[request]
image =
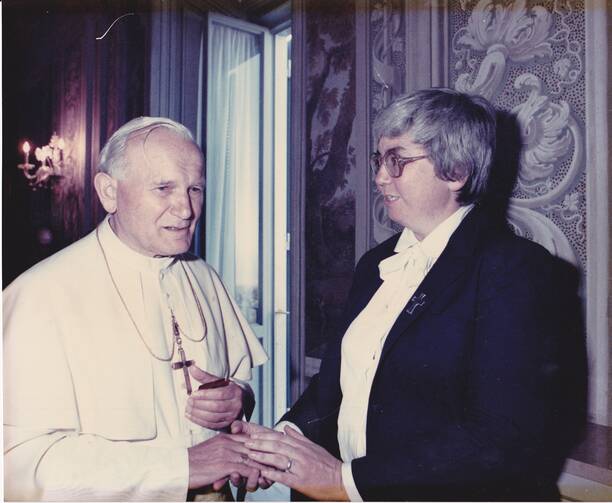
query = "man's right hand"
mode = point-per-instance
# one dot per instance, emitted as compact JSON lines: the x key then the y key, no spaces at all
{"x":215,"y":459}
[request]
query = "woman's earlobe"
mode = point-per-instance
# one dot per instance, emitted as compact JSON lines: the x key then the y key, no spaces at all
{"x":456,"y":185}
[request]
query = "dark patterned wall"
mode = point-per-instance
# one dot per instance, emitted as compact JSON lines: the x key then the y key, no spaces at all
{"x":58,"y":78}
{"x":27,"y":108}
{"x":330,"y":194}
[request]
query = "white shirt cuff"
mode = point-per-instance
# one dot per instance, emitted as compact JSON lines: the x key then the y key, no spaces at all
{"x":349,"y":483}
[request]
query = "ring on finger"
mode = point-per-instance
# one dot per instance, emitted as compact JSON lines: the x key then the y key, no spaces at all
{"x":289,"y":464}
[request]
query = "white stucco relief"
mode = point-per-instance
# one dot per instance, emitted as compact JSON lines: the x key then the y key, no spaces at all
{"x":383,"y":70}
{"x":385,"y":74}
{"x":512,"y":33}
{"x":505,"y":33}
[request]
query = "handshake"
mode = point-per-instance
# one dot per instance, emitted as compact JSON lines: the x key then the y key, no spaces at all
{"x":257,"y":457}
{"x":251,"y":454}
{"x":235,"y":456}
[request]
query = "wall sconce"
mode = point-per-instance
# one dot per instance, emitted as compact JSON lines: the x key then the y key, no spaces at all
{"x":48,"y":165}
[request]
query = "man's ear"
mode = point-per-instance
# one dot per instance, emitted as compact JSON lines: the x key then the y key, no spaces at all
{"x":106,"y":187}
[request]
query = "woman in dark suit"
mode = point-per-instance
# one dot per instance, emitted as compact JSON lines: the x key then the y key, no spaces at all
{"x":460,"y":373}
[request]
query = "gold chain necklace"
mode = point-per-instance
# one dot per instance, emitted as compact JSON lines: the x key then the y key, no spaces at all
{"x":200,"y":312}
{"x":160,"y":358}
{"x":175,"y":325}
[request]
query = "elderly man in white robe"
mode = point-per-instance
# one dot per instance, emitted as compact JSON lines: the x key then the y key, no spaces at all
{"x":107,"y":343}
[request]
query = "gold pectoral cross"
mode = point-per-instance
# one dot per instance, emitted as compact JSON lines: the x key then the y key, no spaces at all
{"x":184,"y":364}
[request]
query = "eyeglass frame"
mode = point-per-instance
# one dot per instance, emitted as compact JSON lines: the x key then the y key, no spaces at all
{"x":377,"y":161}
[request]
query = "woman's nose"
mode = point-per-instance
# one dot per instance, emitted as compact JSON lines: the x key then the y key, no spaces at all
{"x":382,"y":176}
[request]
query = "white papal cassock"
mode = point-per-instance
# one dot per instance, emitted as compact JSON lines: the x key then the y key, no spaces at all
{"x":89,"y":414}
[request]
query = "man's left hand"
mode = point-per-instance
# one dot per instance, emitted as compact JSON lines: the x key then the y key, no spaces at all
{"x":298,"y":463}
{"x":214,"y":408}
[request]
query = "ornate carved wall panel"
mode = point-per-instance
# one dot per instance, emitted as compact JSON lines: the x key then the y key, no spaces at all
{"x":388,"y":68}
{"x":530,"y":60}
{"x":407,"y":44}
{"x":537,"y":62}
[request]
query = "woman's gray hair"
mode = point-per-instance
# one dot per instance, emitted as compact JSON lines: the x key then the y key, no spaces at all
{"x":113,"y":160}
{"x":456,"y":130}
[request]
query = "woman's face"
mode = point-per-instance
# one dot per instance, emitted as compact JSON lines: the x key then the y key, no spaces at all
{"x":418,"y":199}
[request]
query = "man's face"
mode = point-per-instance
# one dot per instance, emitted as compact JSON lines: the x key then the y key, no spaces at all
{"x":418,"y":199}
{"x":159,"y":199}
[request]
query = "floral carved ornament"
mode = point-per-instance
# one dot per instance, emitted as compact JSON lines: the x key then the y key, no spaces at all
{"x":503,"y":33}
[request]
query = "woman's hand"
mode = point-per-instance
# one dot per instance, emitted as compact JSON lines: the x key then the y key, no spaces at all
{"x":298,"y":463}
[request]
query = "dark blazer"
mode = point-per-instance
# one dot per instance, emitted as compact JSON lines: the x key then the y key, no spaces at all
{"x":480,"y":389}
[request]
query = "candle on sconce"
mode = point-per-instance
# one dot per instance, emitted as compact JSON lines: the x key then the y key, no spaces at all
{"x":48,"y":164}
{"x":26,"y":152}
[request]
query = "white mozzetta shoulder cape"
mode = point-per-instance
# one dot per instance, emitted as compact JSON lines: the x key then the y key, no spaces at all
{"x":78,"y":378}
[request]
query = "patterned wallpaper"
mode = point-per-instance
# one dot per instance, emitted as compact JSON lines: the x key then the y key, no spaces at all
{"x":388,"y":69}
{"x":79,"y":87}
{"x":330,"y":194}
{"x":529,"y":60}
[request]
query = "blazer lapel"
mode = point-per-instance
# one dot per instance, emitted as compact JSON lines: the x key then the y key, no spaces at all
{"x":448,"y":268}
{"x":364,"y":296}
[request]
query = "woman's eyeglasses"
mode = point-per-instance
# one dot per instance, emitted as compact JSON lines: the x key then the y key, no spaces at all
{"x":393,"y":163}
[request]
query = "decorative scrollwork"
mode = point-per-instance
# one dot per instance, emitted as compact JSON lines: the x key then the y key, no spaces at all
{"x":505,"y":31}
{"x":541,"y":230}
{"x":569,"y":67}
{"x":383,"y":71}
{"x":386,"y":21}
{"x":569,"y":211}
{"x":498,"y":38}
{"x":522,"y":33}
{"x":549,"y":130}
{"x":545,"y":132}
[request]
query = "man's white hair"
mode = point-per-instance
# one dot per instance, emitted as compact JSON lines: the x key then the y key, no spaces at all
{"x":113,"y":160}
